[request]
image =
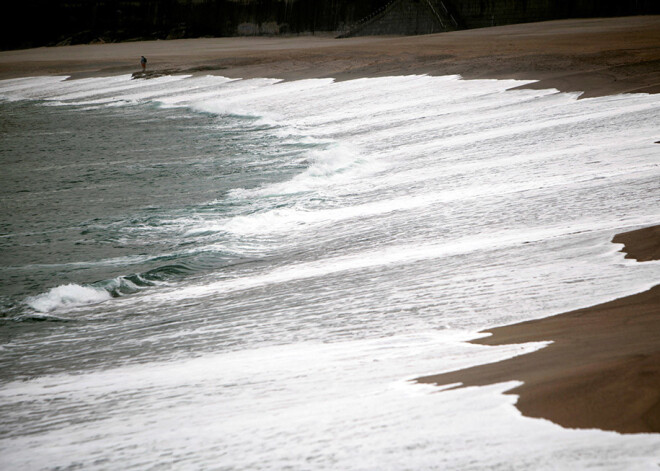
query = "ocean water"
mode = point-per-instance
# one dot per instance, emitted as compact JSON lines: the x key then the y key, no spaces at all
{"x":207,"y":273}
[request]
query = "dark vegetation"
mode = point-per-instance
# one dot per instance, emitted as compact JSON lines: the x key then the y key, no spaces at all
{"x":31,"y":23}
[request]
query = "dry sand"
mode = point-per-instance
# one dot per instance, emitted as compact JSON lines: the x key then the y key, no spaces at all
{"x":602,"y":369}
{"x":598,"y":56}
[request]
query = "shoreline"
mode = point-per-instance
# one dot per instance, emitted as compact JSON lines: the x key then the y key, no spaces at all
{"x":602,"y":369}
{"x":574,"y":381}
{"x":599,"y":56}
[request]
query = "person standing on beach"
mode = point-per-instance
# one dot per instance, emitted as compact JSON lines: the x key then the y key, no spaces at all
{"x":143,"y":63}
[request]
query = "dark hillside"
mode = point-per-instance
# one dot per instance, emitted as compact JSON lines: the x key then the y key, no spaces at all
{"x":31,"y":23}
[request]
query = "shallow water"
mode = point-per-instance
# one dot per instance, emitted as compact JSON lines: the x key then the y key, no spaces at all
{"x":199,"y":272}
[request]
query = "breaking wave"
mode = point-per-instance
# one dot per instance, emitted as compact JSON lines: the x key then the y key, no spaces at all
{"x":67,"y":296}
{"x":74,"y":295}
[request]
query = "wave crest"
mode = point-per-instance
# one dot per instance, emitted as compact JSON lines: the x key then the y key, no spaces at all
{"x":67,"y":296}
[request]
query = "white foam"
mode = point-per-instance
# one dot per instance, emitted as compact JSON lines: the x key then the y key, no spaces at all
{"x":428,"y":208}
{"x":66,"y":297}
{"x":343,"y":405}
{"x":24,"y":88}
{"x":395,"y":255}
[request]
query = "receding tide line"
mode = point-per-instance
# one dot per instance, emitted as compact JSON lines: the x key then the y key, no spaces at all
{"x":602,"y":369}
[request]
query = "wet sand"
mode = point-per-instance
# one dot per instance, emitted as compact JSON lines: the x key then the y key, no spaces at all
{"x":602,"y":369}
{"x":597,"y":56}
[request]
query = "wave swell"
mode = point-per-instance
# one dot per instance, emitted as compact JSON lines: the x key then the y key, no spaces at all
{"x":75,"y":295}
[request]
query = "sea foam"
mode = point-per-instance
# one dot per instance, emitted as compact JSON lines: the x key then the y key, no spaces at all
{"x":67,"y":296}
{"x":417,"y":211}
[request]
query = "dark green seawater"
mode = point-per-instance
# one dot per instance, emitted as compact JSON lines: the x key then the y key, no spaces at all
{"x":89,"y":195}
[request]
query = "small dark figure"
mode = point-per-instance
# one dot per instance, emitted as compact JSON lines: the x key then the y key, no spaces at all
{"x":143,"y":63}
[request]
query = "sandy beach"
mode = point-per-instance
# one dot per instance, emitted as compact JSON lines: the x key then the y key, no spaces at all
{"x":602,"y":369}
{"x":597,"y":56}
